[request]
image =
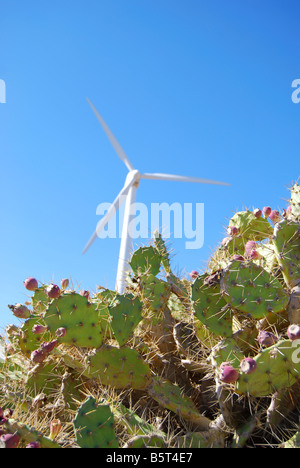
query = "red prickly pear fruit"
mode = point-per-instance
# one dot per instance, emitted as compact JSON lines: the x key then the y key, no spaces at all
{"x":31,"y":284}
{"x":32,"y":445}
{"x":61,"y":332}
{"x":293,"y":332}
{"x":248,"y":365}
{"x":266,"y":211}
{"x":229,"y":374}
{"x":38,"y":329}
{"x":256,"y":212}
{"x":53,"y":291}
{"x":10,"y":440}
{"x":64,"y":283}
{"x":85,"y":294}
{"x":238,"y":258}
{"x":254,"y":255}
{"x":250,"y":249}
{"x":48,"y":346}
{"x":20,"y":311}
{"x":275,"y":216}
{"x":194,"y":274}
{"x":232,"y":231}
{"x":266,"y":338}
{"x":38,"y":356}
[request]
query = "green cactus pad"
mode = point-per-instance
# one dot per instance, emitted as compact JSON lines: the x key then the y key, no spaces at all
{"x":161,"y":248}
{"x":277,"y":367}
{"x":295,"y":202}
{"x":287,"y":248}
{"x":145,"y":260}
{"x":210,"y":307}
{"x":29,"y":341}
{"x":119,"y":368}
{"x":250,"y":227}
{"x":94,"y":426}
{"x":226,"y":350}
{"x":40,"y":300}
{"x":126,"y":314}
{"x":155,"y":292}
{"x":170,"y":396}
{"x":252,"y":290}
{"x":79,"y":317}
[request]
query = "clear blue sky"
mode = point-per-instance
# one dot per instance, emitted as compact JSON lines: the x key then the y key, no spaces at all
{"x":200,"y":88}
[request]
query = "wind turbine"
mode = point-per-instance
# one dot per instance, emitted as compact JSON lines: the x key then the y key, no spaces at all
{"x":128,"y":192}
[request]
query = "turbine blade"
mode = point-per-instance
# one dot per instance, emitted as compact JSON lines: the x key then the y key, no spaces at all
{"x":119,"y":150}
{"x":118,"y":201}
{"x":180,"y":178}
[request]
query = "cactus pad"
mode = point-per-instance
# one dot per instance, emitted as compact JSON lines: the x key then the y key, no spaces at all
{"x":252,"y":290}
{"x":78,"y":317}
{"x":94,"y":426}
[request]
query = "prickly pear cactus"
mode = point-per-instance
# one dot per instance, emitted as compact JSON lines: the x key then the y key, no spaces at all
{"x":205,"y":360}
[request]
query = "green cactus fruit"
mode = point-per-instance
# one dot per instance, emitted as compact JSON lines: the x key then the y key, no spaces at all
{"x":295,"y":202}
{"x":252,"y":290}
{"x":278,"y":367}
{"x":250,"y":227}
{"x":170,"y":396}
{"x":210,"y":307}
{"x":94,"y":426}
{"x":78,"y":317}
{"x":126,"y":314}
{"x":145,"y":260}
{"x":286,"y":242}
{"x":118,"y":368}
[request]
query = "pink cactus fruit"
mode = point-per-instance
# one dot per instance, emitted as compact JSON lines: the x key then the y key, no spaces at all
{"x":10,"y":440}
{"x":248,"y":365}
{"x":250,"y":249}
{"x":85,"y":294}
{"x":31,"y":284}
{"x":232,"y":231}
{"x":266,"y":338}
{"x":47,"y":347}
{"x":37,"y":356}
{"x":194,"y":274}
{"x":38,"y":329}
{"x":64,"y":283}
{"x":275,"y":216}
{"x":293,"y":332}
{"x":266,"y":211}
{"x":20,"y":311}
{"x":33,"y":445}
{"x":238,"y":258}
{"x":53,"y":291}
{"x":256,"y":212}
{"x":61,"y":332}
{"x":228,"y":373}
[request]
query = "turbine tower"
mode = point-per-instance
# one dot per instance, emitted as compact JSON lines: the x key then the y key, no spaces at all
{"x":128,"y":194}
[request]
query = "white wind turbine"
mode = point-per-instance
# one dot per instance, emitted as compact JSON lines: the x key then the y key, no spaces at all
{"x":128,"y":192}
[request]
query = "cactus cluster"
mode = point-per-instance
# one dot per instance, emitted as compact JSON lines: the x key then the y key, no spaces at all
{"x":211,"y":360}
